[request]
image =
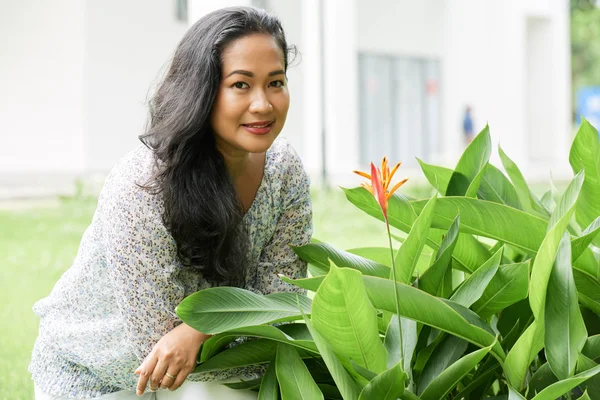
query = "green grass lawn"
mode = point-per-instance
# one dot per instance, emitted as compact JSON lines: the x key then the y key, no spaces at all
{"x":38,"y":244}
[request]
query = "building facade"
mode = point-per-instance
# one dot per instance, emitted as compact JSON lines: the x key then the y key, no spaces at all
{"x":374,"y":78}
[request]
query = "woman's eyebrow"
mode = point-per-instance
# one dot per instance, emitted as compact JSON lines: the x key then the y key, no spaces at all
{"x":251,"y":75}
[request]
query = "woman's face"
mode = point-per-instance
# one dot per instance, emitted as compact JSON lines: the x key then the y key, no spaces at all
{"x":253,"y":98}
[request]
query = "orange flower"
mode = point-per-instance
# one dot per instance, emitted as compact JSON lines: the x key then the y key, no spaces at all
{"x":380,"y":182}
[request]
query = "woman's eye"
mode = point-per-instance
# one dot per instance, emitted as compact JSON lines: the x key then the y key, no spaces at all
{"x":277,"y":83}
{"x":240,"y":85}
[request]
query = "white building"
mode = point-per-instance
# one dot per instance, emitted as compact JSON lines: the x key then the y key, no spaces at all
{"x":396,"y":76}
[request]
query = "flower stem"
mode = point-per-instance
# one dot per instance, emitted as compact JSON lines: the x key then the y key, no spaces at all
{"x":396,"y":293}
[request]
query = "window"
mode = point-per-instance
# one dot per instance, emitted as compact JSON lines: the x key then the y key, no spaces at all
{"x":399,"y":108}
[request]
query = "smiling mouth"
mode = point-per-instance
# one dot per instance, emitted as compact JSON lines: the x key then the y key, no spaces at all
{"x":260,"y":124}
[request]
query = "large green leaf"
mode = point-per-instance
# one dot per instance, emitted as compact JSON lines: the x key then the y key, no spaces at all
{"x":509,"y":285}
{"x":347,"y":386}
{"x":438,"y":177}
{"x":542,"y":266}
{"x":254,"y":352}
{"x":295,"y":381}
{"x":565,"y":330}
{"x":408,"y":255}
{"x":527,"y":199}
{"x":592,"y":385}
{"x":472,"y":288}
{"x":432,"y":279}
{"x":580,"y":244}
{"x":540,"y":380}
{"x":494,"y":186}
{"x":469,"y":253}
{"x":269,"y":388}
{"x":343,"y":314}
{"x":588,"y":290}
{"x":220,"y":309}
{"x":442,"y":314}
{"x":388,"y":385}
{"x":514,"y":395}
{"x":585,"y":155}
{"x":559,"y":388}
{"x":445,"y":354}
{"x":320,"y":254}
{"x":450,"y":377}
{"x":392,"y":342}
{"x":381,"y":255}
{"x":213,"y":344}
{"x":473,"y":160}
{"x":592,"y":348}
{"x":522,"y":354}
{"x":488,"y":219}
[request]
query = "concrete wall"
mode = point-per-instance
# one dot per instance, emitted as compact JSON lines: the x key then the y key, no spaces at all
{"x":128,"y":44}
{"x":41,"y":86}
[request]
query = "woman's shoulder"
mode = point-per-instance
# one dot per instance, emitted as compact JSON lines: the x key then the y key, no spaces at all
{"x":126,"y":180}
{"x":284,"y":161}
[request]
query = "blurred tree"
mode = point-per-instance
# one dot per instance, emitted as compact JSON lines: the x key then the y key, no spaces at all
{"x":585,"y":43}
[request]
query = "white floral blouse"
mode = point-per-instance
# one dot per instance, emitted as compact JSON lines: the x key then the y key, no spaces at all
{"x":118,"y":298}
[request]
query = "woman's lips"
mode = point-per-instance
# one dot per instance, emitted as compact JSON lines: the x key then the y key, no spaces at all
{"x":259,"y":128}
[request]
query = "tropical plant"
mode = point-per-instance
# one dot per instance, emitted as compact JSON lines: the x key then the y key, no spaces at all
{"x":493,"y":293}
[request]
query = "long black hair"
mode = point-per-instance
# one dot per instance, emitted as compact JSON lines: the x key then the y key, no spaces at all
{"x":201,"y":208}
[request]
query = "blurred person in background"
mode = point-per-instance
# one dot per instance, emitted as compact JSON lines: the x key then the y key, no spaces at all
{"x":211,"y":198}
{"x":468,"y":124}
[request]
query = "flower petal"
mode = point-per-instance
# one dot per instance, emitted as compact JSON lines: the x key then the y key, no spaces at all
{"x":394,"y":170}
{"x":378,"y":190}
{"x":363,"y":174}
{"x":402,"y":182}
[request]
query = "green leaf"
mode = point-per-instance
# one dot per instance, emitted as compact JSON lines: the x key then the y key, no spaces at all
{"x":346,"y":385}
{"x":381,"y":255}
{"x":343,"y":314}
{"x":294,"y":379}
{"x":592,"y":348}
{"x":585,"y":155}
{"x":530,"y":203}
{"x":496,"y":187}
{"x":213,"y":344}
{"x":580,"y":244}
{"x":542,"y":266}
{"x":588,"y":290}
{"x":540,"y":380}
{"x":584,"y":396}
{"x":220,"y":309}
{"x":514,"y":395}
{"x":592,"y":385}
{"x":488,"y":219}
{"x":472,"y":288}
{"x":438,"y":177}
{"x":432,"y":279}
{"x":522,"y":354}
{"x":509,"y":285}
{"x":320,"y":254}
{"x":269,"y":388}
{"x":392,"y":341}
{"x":408,"y":255}
{"x":388,"y":385}
{"x":447,"y":353}
{"x":565,"y":330}
{"x":469,"y":253}
{"x":559,"y":388}
{"x":449,"y":378}
{"x":475,"y":184}
{"x":473,"y":160}
{"x":442,"y":314}
{"x":305,"y":283}
{"x":254,"y":352}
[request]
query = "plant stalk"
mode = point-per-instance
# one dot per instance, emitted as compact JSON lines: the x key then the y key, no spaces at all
{"x":396,"y":292}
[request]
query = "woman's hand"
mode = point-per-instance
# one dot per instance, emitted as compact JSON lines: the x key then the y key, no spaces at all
{"x":171,"y":360}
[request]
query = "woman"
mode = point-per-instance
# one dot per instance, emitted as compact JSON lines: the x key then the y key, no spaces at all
{"x":212,"y":199}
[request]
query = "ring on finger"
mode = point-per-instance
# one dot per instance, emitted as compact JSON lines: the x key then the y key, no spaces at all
{"x":170,"y":376}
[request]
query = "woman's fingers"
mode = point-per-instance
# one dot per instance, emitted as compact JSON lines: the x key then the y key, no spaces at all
{"x":180,"y":378}
{"x":158,"y":374}
{"x":169,"y":378}
{"x":145,"y":370}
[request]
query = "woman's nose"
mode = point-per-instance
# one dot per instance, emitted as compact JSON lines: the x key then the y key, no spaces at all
{"x":260,"y":104}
